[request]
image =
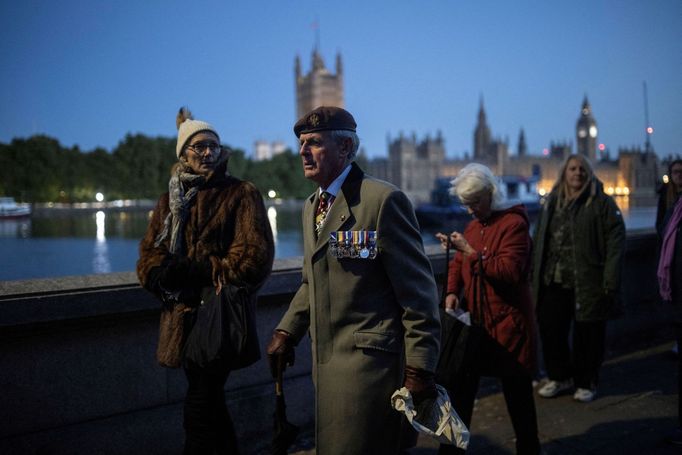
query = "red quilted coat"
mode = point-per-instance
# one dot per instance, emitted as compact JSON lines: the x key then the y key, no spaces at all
{"x":503,"y":245}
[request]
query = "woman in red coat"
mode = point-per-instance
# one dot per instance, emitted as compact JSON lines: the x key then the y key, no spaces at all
{"x":493,"y":261}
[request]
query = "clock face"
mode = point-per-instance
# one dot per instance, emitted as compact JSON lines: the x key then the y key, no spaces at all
{"x":593,"y":131}
{"x":582,"y":132}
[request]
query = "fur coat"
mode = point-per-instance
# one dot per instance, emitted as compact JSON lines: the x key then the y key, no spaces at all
{"x":227,"y":227}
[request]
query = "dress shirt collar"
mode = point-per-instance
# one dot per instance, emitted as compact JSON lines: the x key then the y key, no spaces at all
{"x":335,"y":186}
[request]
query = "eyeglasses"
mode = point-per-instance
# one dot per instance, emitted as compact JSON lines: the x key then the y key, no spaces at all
{"x":199,"y":147}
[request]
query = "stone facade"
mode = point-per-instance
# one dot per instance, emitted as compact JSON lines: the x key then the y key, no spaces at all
{"x":414,"y":166}
{"x":319,"y":87}
{"x":586,"y":132}
{"x":264,"y":150}
{"x":487,"y":150}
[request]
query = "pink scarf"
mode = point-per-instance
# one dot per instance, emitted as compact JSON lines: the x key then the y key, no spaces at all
{"x":667,"y":252}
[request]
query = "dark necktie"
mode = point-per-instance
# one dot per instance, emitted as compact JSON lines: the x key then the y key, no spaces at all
{"x":326,"y":200}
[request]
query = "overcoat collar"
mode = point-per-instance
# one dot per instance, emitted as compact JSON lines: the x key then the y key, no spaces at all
{"x":340,"y":213}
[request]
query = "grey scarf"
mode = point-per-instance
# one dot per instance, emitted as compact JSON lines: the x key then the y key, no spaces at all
{"x":180,"y":201}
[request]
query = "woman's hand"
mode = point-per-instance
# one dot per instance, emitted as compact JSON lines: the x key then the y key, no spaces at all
{"x":443,"y":240}
{"x":461,"y":244}
{"x":451,"y":302}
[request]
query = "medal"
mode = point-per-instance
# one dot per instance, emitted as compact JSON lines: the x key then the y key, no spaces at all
{"x":372,"y":243}
{"x":364,"y":252}
{"x":360,"y":244}
{"x":333,"y":245}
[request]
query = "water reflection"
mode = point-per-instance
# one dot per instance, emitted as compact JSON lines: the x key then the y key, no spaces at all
{"x":272,"y":218}
{"x":100,"y":257}
{"x":77,"y":242}
{"x":16,"y":228}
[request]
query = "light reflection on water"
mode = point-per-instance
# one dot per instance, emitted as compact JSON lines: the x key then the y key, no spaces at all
{"x":100,"y":260}
{"x":61,"y":244}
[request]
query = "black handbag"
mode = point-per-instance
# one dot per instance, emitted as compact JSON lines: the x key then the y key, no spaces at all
{"x":459,"y":342}
{"x":224,"y":329}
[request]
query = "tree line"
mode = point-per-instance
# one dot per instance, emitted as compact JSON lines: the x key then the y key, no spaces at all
{"x":39,"y":169}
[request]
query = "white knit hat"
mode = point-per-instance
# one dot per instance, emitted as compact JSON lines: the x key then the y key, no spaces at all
{"x":188,"y":127}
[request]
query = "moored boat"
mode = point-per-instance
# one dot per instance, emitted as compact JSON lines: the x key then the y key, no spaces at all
{"x":9,"y":209}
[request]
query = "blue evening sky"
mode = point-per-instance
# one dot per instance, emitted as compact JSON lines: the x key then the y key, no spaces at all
{"x":89,"y":72}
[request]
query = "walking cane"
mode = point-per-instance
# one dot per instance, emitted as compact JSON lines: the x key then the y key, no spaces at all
{"x":285,"y":432}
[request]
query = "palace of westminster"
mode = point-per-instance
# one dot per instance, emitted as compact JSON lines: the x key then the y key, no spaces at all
{"x":414,"y":165}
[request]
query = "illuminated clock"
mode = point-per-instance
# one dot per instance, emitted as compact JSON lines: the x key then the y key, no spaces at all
{"x":593,"y":131}
{"x":582,"y":132}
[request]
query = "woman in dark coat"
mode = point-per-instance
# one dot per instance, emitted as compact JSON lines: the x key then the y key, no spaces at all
{"x":495,"y":248}
{"x":669,"y":275}
{"x":578,"y":255}
{"x":669,"y":193}
{"x":209,"y":230}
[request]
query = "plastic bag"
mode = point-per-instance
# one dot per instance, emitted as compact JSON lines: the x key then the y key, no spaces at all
{"x":440,"y":421}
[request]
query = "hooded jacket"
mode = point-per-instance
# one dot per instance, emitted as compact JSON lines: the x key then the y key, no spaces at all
{"x":503,"y":244}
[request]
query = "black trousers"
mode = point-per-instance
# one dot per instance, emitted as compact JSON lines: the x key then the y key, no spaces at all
{"x":208,"y":426}
{"x":517,"y":387}
{"x":679,"y":381}
{"x":677,"y":328}
{"x":582,"y":360}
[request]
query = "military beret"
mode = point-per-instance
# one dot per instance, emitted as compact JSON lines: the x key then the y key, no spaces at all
{"x":325,"y":118}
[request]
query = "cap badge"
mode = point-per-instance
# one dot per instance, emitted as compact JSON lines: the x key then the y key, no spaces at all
{"x":314,"y":120}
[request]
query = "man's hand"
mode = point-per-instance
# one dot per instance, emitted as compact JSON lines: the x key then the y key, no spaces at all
{"x":280,"y":351}
{"x":421,"y":384}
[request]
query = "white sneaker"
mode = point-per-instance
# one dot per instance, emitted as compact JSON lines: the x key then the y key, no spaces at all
{"x":554,"y":388}
{"x":584,"y":395}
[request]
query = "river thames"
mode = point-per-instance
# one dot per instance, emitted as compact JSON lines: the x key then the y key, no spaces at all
{"x":85,"y":242}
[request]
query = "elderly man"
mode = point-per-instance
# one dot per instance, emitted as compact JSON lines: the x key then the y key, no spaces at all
{"x":367,"y":298}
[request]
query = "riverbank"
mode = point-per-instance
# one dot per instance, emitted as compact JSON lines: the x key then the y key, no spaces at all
{"x":122,"y":205}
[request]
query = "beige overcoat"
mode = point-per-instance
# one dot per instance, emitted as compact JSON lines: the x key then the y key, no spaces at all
{"x":366,"y":318}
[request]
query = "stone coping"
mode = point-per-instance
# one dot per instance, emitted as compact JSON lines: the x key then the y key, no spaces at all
{"x":76,"y":297}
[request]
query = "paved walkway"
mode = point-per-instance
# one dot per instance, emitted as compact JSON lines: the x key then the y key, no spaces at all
{"x":636,"y":407}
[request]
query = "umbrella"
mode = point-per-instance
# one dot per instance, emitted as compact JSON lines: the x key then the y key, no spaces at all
{"x":285,"y":432}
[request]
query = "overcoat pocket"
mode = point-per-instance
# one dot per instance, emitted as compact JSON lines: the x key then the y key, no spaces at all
{"x":382,"y":341}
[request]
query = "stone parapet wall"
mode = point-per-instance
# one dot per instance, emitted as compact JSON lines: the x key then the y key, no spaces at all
{"x":77,"y":359}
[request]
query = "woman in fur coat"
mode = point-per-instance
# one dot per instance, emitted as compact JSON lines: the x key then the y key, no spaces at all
{"x":209,"y":230}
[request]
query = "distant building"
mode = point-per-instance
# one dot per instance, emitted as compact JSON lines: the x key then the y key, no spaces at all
{"x":638,"y":171}
{"x":264,"y":150}
{"x":522,"y":148}
{"x":319,"y":87}
{"x":560,"y":150}
{"x":586,"y":132}
{"x":486,"y":149}
{"x":414,"y":166}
